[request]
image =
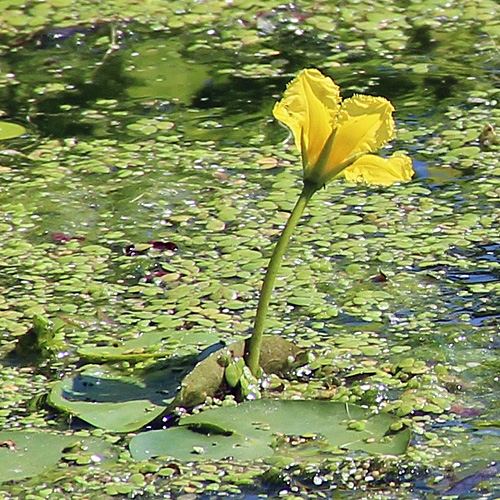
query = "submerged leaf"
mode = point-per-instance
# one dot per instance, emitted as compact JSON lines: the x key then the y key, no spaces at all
{"x":153,"y":344}
{"x":464,"y":486}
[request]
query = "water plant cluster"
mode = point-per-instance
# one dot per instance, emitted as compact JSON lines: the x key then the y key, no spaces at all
{"x":144,"y":185}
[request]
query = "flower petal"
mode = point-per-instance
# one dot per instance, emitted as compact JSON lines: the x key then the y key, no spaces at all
{"x":364,"y":124}
{"x":373,"y":169}
{"x":309,"y":107}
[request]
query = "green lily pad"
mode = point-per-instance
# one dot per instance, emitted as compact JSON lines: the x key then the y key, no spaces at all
{"x":10,"y":130}
{"x":186,"y":444}
{"x":153,"y":344}
{"x":108,"y":399}
{"x":26,"y":454}
{"x":248,"y":431}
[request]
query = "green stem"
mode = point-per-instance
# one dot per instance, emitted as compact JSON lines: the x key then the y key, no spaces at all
{"x":255,"y":341}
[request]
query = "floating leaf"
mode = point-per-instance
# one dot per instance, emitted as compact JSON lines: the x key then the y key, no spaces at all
{"x":153,"y":344}
{"x":27,"y":454}
{"x":248,"y":431}
{"x":186,"y":444}
{"x":105,"y":398}
{"x":10,"y":130}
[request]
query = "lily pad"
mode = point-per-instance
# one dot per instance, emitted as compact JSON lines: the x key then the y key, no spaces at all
{"x":153,"y":344}
{"x":105,"y":398}
{"x":186,"y":444}
{"x":10,"y":130}
{"x":27,"y":454}
{"x":249,"y":431}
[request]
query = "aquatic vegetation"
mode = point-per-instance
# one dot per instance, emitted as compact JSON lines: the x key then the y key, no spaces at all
{"x":141,"y":208}
{"x":334,"y":139}
{"x":95,"y":394}
{"x":43,"y":340}
{"x":10,"y":130}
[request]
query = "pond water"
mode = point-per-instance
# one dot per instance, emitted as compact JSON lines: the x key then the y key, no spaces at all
{"x":152,"y":182}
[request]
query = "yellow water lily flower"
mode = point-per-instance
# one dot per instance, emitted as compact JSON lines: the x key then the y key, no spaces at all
{"x":335,"y":136}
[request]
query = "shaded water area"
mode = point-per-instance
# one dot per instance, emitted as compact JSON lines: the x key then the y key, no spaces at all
{"x":140,"y":209}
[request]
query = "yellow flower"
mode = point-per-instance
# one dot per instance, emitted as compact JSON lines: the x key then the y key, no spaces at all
{"x":373,"y":169}
{"x":335,"y":136}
